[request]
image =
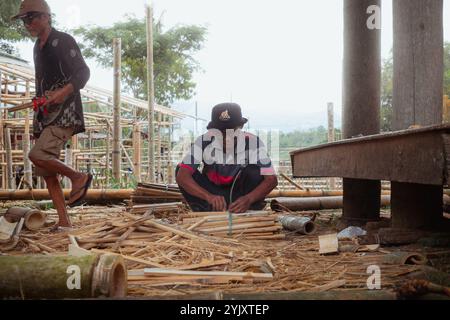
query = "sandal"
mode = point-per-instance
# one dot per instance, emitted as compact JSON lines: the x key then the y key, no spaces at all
{"x":85,"y":188}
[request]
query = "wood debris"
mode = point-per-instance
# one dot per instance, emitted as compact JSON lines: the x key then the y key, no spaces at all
{"x":171,"y":242}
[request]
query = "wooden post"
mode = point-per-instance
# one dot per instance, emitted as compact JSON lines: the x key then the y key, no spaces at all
{"x":26,"y":150}
{"x":137,"y":151}
{"x":331,"y":137}
{"x":158,"y":148}
{"x":170,"y":172}
{"x":9,"y":160}
{"x":69,"y":162}
{"x":151,"y":96}
{"x":361,"y":103}
{"x":108,"y":152}
{"x":417,"y":100}
{"x":117,"y":136}
{"x":27,"y":144}
{"x":89,"y":164}
{"x":2,"y":145}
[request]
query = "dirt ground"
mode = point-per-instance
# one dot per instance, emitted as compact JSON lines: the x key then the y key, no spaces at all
{"x":295,"y":262}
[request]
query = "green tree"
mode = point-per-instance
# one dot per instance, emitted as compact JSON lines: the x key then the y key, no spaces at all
{"x":10,"y":31}
{"x":174,"y":64}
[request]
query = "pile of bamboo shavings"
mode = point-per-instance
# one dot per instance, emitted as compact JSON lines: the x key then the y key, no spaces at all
{"x":294,"y":263}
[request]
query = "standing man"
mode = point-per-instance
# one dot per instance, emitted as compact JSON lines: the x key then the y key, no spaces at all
{"x":58,"y":115}
{"x":237,"y":173}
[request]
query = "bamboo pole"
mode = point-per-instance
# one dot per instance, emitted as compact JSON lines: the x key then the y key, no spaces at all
{"x":59,"y":277}
{"x":151,"y":95}
{"x":108,"y":152}
{"x":170,"y":172}
{"x":137,"y":152}
{"x":331,"y":137}
{"x":9,"y":161}
{"x":26,"y":147}
{"x":116,"y":156}
{"x":2,"y":144}
{"x":158,"y":149}
{"x":42,"y":194}
{"x":68,"y":159}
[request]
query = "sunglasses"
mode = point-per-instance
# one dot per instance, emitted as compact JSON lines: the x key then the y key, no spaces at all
{"x":28,"y":19}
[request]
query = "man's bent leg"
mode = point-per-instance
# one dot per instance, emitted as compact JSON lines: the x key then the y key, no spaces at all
{"x":197,"y":204}
{"x":249,"y":179}
{"x":57,"y":195}
{"x":45,"y":155}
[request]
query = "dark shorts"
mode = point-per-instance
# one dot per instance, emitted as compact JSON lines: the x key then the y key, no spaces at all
{"x":49,"y":145}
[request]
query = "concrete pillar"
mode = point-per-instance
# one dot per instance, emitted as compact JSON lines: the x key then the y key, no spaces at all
{"x":361,"y":103}
{"x":417,"y":99}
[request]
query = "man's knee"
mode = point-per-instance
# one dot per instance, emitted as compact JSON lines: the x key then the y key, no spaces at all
{"x":33,"y":156}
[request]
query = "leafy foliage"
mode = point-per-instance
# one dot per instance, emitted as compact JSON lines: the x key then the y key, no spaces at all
{"x":10,"y":31}
{"x":173,"y":51}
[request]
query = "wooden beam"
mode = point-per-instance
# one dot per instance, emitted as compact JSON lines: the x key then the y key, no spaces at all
{"x":414,"y":156}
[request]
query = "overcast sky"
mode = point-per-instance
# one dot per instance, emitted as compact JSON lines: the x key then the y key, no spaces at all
{"x":280,"y":60}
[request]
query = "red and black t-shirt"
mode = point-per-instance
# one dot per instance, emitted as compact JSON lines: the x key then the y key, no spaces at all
{"x":221,"y":165}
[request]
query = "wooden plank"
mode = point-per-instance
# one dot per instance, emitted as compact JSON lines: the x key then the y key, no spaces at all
{"x":328,"y":244}
{"x":164,"y":272}
{"x":398,"y":157}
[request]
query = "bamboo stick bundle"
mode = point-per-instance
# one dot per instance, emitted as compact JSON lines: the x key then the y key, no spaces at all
{"x":158,"y":207}
{"x":261,"y":225}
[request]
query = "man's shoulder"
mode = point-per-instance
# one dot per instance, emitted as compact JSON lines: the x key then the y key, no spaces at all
{"x":63,"y":35}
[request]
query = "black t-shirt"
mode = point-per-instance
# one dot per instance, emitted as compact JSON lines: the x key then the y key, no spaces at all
{"x":57,"y":64}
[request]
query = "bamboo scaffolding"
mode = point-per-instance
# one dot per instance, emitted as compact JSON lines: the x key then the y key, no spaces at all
{"x":18,"y":86}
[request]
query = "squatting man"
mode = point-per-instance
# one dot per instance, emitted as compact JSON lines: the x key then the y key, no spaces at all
{"x":236,"y":173}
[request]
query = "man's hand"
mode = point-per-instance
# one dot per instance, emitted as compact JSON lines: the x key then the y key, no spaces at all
{"x":241,"y":205}
{"x":217,"y":202}
{"x":58,"y":96}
